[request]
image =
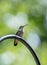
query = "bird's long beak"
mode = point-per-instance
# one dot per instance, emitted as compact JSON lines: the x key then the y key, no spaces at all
{"x":25,"y":25}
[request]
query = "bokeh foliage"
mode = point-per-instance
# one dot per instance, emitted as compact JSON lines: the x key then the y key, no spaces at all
{"x":36,"y":17}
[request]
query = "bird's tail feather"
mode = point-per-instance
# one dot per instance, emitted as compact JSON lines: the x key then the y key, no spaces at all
{"x":15,"y":42}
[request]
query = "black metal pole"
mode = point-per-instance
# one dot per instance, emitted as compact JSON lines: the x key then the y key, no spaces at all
{"x":25,"y":43}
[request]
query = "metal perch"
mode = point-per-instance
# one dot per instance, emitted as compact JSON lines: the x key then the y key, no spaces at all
{"x":25,"y":43}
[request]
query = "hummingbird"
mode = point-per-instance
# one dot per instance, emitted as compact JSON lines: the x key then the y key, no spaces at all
{"x":20,"y":33}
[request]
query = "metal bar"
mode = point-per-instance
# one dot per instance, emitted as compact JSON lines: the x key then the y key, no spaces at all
{"x":11,"y":36}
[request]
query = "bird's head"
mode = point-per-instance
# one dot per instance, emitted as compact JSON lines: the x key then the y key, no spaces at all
{"x":21,"y":27}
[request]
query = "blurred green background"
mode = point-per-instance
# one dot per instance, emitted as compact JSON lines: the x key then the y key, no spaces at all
{"x":14,"y":13}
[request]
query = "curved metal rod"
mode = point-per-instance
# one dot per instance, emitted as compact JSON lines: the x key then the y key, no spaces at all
{"x":25,"y":43}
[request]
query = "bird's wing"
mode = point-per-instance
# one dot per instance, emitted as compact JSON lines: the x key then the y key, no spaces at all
{"x":19,"y":33}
